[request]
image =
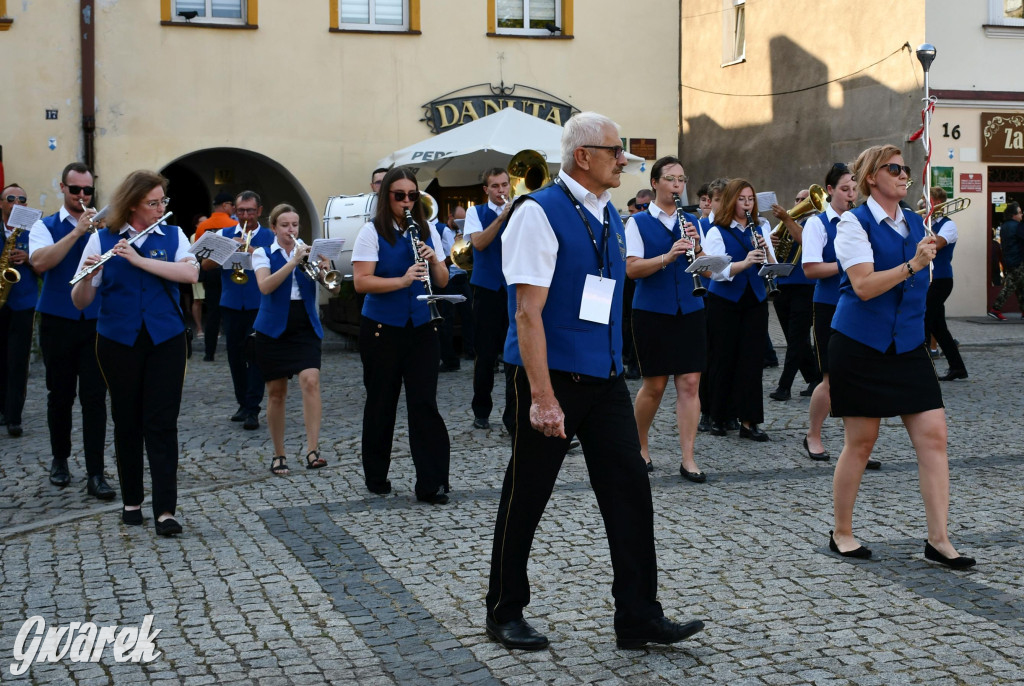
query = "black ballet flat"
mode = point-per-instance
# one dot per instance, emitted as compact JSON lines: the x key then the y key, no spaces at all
{"x":820,"y":457}
{"x":697,"y":477}
{"x":860,"y":553}
{"x":960,"y":562}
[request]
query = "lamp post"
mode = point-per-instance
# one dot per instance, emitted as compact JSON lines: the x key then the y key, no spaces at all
{"x":926,"y":55}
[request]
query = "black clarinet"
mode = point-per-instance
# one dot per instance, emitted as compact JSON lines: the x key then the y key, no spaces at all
{"x":414,"y":237}
{"x":769,"y":280}
{"x":691,"y":254}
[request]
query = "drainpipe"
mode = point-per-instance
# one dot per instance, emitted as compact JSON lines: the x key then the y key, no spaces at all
{"x":87,"y":32}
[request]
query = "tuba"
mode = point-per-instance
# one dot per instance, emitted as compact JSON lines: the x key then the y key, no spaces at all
{"x":527,"y":172}
{"x":812,"y":204}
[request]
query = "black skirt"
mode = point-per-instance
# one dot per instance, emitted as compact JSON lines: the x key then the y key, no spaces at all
{"x":296,"y":349}
{"x":866,"y":383}
{"x":668,"y":344}
{"x":822,"y":317}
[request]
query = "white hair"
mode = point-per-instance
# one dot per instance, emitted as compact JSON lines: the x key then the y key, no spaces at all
{"x":583,"y":128}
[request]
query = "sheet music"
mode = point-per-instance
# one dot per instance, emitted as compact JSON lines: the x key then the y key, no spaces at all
{"x":23,"y":217}
{"x":765,"y":200}
{"x":237,"y":260}
{"x":213,"y":246}
{"x":712,"y":263}
{"x":446,"y":298}
{"x":327,"y":247}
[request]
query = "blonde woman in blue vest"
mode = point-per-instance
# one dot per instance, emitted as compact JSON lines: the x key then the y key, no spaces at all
{"x":140,"y":341}
{"x":398,"y":342}
{"x":879,"y":365}
{"x":288,"y":334}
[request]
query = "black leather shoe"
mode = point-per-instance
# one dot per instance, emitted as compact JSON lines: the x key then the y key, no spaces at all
{"x":771,"y":363}
{"x":781,"y":394}
{"x":717,"y":429}
{"x":59,"y":474}
{"x":960,"y":562}
{"x":873,"y":464}
{"x":445,"y":367}
{"x":481,"y":423}
{"x":240,"y":415}
{"x":131,"y":517}
{"x":379,"y":488}
{"x":753,"y":433}
{"x":168,"y":527}
{"x":14,"y":430}
{"x":98,"y":487}
{"x":809,"y":391}
{"x":951,"y":375}
{"x":732,"y":424}
{"x":438,"y":497}
{"x":251,"y":422}
{"x":820,"y":457}
{"x":705,"y":423}
{"x":516,"y":635}
{"x":632,"y":372}
{"x":660,"y":630}
{"x":860,"y":553}
{"x":573,"y":444}
{"x":695,"y":477}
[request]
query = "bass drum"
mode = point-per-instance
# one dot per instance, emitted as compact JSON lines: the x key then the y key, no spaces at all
{"x":343,"y":217}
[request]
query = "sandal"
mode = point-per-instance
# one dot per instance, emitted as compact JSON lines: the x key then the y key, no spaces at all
{"x":278,"y":466}
{"x":317,"y":462}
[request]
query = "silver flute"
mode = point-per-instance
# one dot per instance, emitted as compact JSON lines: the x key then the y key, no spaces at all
{"x":105,"y":257}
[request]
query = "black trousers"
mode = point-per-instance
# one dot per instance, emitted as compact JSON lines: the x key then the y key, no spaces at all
{"x":211,"y":302}
{"x":245,"y":374}
{"x":935,"y":322}
{"x":628,"y":344}
{"x":458,"y":284}
{"x":490,"y":313}
{"x":393,"y":356}
{"x":736,"y":332}
{"x":793,"y":305}
{"x":600,"y":415}
{"x":145,"y":383}
{"x":69,"y":352}
{"x":15,"y":348}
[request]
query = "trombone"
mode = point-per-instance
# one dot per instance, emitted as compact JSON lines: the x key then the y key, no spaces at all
{"x":947,"y":208}
{"x":331,"y":279}
{"x":238,"y":275}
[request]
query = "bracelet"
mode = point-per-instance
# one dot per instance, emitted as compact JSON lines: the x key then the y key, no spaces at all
{"x":663,"y":265}
{"x":910,"y":269}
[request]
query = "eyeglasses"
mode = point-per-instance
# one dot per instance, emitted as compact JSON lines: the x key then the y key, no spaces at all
{"x":75,"y":190}
{"x":643,"y":205}
{"x":616,"y":149}
{"x":400,"y":196}
{"x":157,"y":203}
{"x":20,"y":199}
{"x":673,"y":179}
{"x":247,"y":210}
{"x":894,"y":168}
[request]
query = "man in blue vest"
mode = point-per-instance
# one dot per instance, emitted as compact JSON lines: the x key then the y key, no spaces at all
{"x":490,"y":315}
{"x":565,"y":261}
{"x":239,"y":305}
{"x":67,"y":336}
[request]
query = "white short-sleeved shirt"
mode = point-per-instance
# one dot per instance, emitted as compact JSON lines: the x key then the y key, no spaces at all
{"x":529,"y":247}
{"x":260,"y":260}
{"x":472,"y":224}
{"x":815,"y":237}
{"x":40,"y":236}
{"x":853,"y":246}
{"x":634,"y":241}
{"x":92,"y":247}
{"x":715,"y":245}
{"x":366,"y":248}
{"x":949,"y":231}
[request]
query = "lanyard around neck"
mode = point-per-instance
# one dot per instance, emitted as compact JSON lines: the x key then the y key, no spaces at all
{"x":586,"y":222}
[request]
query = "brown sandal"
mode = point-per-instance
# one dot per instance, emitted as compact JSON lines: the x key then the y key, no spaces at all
{"x":278,"y":466}
{"x":317,"y":462}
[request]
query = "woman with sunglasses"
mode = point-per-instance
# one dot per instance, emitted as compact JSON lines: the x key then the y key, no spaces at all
{"x":398,"y":343}
{"x":288,"y":334}
{"x":140,"y":342}
{"x":878,"y":363}
{"x":737,"y":312}
{"x":668,"y":320}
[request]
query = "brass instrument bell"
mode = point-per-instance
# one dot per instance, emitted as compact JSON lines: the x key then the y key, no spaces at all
{"x":527,"y":172}
{"x":238,"y":275}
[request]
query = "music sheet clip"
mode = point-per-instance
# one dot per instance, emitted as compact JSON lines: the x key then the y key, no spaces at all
{"x":213,"y":246}
{"x":446,"y":298}
{"x":23,"y":217}
{"x":238,"y":260}
{"x":712,"y":263}
{"x":780,"y":269}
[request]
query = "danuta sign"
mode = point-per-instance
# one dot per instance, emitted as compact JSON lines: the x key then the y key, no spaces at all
{"x":463,"y":106}
{"x":81,"y":642}
{"x":1002,"y":137}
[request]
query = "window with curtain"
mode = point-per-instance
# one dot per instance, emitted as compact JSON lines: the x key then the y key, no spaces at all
{"x":734,"y":38}
{"x":374,"y":15}
{"x":216,"y":11}
{"x":527,"y":17}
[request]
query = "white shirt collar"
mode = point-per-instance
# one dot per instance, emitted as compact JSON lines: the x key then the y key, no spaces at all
{"x":64,"y":214}
{"x":129,"y":229}
{"x":277,"y":246}
{"x":582,"y":194}
{"x":881,"y":215}
{"x":494,"y":208}
{"x":656,"y":211}
{"x":830,"y":212}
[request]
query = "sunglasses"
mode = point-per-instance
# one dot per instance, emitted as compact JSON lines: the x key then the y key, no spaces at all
{"x":75,"y":190}
{"x":20,"y":199}
{"x":616,"y":149}
{"x":894,"y":168}
{"x":400,"y":196}
{"x":643,"y":205}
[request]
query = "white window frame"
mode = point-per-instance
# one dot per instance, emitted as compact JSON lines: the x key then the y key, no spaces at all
{"x":371,"y":25}
{"x":505,"y":31}
{"x":734,"y":20}
{"x":1001,"y":26}
{"x":209,"y":18}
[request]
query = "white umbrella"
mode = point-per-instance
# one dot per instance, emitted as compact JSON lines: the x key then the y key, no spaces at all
{"x":457,"y":157}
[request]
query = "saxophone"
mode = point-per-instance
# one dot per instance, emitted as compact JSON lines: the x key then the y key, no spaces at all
{"x":8,"y":274}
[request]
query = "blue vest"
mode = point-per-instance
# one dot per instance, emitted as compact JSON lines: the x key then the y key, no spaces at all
{"x":272,"y":318}
{"x":243,"y":296}
{"x":397,"y":308}
{"x":22,"y":295}
{"x":55,"y":298}
{"x":576,"y":345}
{"x":896,"y":316}
{"x":668,"y":290}
{"x":942,"y":265}
{"x":487,"y":262}
{"x":737,"y":245}
{"x":826,"y":291}
{"x":130,"y":297}
{"x":797,"y":276}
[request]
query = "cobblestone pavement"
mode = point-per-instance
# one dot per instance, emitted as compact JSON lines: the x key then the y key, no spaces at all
{"x":310,"y":579}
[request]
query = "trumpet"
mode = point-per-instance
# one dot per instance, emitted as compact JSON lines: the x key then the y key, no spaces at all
{"x":238,"y":275}
{"x":691,"y":254}
{"x":105,"y":257}
{"x":95,"y":221}
{"x":769,"y":280}
{"x":331,"y":280}
{"x":414,"y":238}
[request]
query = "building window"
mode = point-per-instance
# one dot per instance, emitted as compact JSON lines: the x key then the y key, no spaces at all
{"x":734,"y":38}
{"x":225,"y":13}
{"x":374,"y":15}
{"x":5,"y":21}
{"x":528,"y":17}
{"x":1005,"y":19}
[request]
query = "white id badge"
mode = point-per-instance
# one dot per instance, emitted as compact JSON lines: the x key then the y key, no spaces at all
{"x":597,"y":299}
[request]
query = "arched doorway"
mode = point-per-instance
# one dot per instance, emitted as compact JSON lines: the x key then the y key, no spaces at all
{"x":195,"y":178}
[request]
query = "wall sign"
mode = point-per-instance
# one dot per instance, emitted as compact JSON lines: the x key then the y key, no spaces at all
{"x":970,"y":183}
{"x":943,"y":178}
{"x":1002,"y":137}
{"x":474,"y":102}
{"x":646,"y":148}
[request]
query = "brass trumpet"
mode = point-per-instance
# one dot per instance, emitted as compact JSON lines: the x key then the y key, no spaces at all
{"x":331,"y":279}
{"x":97,"y":220}
{"x":238,"y":275}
